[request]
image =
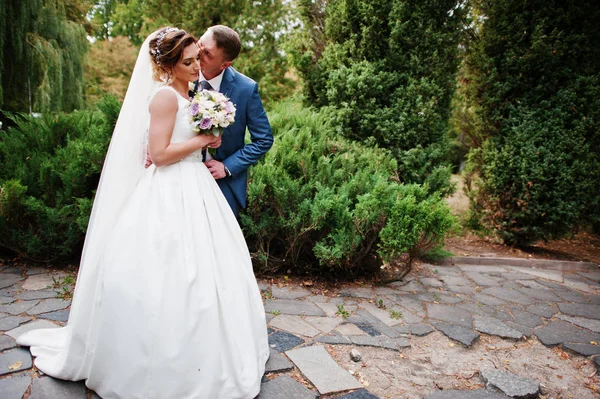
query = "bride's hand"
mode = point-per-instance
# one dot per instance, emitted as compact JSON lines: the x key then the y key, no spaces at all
{"x":215,"y":143}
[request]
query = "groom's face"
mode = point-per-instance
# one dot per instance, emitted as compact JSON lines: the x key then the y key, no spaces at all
{"x":212,"y":59}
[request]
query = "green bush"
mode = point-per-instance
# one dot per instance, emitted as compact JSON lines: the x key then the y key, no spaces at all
{"x":321,"y":203}
{"x":535,"y":85}
{"x":389,"y":69}
{"x":49,"y":170}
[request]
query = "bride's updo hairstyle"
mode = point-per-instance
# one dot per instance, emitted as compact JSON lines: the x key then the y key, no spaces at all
{"x":166,"y":50}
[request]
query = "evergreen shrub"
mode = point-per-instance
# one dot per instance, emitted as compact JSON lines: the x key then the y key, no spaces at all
{"x":321,"y":203}
{"x":49,"y":170}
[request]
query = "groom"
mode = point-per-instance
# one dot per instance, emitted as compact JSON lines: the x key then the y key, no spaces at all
{"x":219,"y":46}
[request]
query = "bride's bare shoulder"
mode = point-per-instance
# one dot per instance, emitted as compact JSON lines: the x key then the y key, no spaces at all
{"x":164,"y":99}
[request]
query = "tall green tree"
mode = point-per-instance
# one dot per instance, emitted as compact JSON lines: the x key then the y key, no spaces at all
{"x":42,"y":48}
{"x":260,"y":24}
{"x":534,"y":80}
{"x":390,"y":67}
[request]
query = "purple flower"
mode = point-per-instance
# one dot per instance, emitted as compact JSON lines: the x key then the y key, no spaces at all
{"x":205,"y":124}
{"x":194,"y":108}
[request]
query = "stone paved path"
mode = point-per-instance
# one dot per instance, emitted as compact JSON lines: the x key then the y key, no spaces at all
{"x":463,"y":302}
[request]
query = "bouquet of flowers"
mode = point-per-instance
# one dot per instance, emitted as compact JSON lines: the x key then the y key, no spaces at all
{"x":211,"y":112}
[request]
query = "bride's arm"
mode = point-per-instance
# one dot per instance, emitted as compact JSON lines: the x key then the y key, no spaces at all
{"x":163,"y":110}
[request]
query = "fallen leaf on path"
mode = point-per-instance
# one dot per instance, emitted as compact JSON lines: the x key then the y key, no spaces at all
{"x":15,"y":366}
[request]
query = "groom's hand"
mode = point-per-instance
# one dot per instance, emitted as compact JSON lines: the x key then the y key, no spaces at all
{"x":216,"y":168}
{"x":148,"y":160}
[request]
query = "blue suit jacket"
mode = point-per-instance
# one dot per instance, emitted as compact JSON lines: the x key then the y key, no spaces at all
{"x":237,"y":157}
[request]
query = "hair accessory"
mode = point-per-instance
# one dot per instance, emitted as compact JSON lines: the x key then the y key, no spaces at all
{"x":159,"y":39}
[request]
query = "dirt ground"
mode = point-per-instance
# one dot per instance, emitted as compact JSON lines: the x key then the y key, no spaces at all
{"x":581,"y":246}
{"x":435,"y":362}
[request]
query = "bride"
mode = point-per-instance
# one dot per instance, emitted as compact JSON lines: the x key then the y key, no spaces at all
{"x":166,"y":305}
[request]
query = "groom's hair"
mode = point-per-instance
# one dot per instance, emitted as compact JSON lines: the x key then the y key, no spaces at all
{"x":228,"y":40}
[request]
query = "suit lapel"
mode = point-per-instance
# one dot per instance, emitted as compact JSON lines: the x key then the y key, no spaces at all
{"x":227,"y":82}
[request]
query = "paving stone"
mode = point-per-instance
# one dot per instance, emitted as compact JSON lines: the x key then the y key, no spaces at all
{"x":383,"y":291}
{"x":443,"y":270}
{"x":464,"y":335}
{"x":483,"y":269}
{"x":450,"y":314}
{"x":591,"y":275}
{"x":477,"y":308}
{"x":581,"y":284}
{"x":543,"y":309}
{"x":452,"y":299}
{"x":412,"y":286}
{"x":322,"y":371}
{"x":40,"y":282}
{"x":36,"y":270}
{"x":324,"y":324}
{"x":5,"y":300}
{"x":50,"y":388}
{"x":533,"y":284}
{"x":508,"y":295}
{"x":461,"y":289}
{"x":408,"y":316}
{"x":369,"y":329}
{"x":17,"y":359}
{"x":542,"y":295}
{"x":289,"y":292}
{"x":558,"y":332}
{"x":49,"y":305}
{"x":428,"y":297}
{"x":334,"y":339}
{"x":511,"y":285}
{"x":269,"y":317}
{"x":264,"y":286}
{"x":380,"y":314}
{"x":11,"y":322}
{"x":526,"y":318}
{"x":282,"y":341}
{"x":349,"y":329}
{"x":42,"y":294}
{"x":590,"y":324}
{"x":411,"y":303}
{"x":483,"y":279}
{"x":595,"y":299}
{"x":59,"y":315}
{"x":553,"y":285}
{"x":456,"y":280}
{"x":357,"y":292}
{"x":510,"y":384}
{"x":6,"y":280}
{"x":295,"y":325}
{"x":317,"y":298}
{"x":330,"y":309}
{"x":491,"y":326}
{"x":34,"y":325}
{"x":554,"y":275}
{"x":517,"y":276}
{"x":18,"y":307}
{"x":572,"y":296}
{"x":526,"y":331}
{"x":488,"y":299}
{"x":285,"y":387}
{"x":377,"y":324}
{"x":431,"y":282}
{"x":597,"y":362}
{"x":476,"y":394}
{"x":14,"y":387}
{"x":583,"y":349}
{"x":6,"y":342}
{"x":277,"y":363}
{"x":402,"y":329}
{"x":292,"y":307}
{"x":580,"y":309}
{"x":365,"y":340}
{"x":420,"y":329}
{"x":358,"y":394}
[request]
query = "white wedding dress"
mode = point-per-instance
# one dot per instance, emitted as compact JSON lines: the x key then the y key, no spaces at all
{"x":174,"y":311}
